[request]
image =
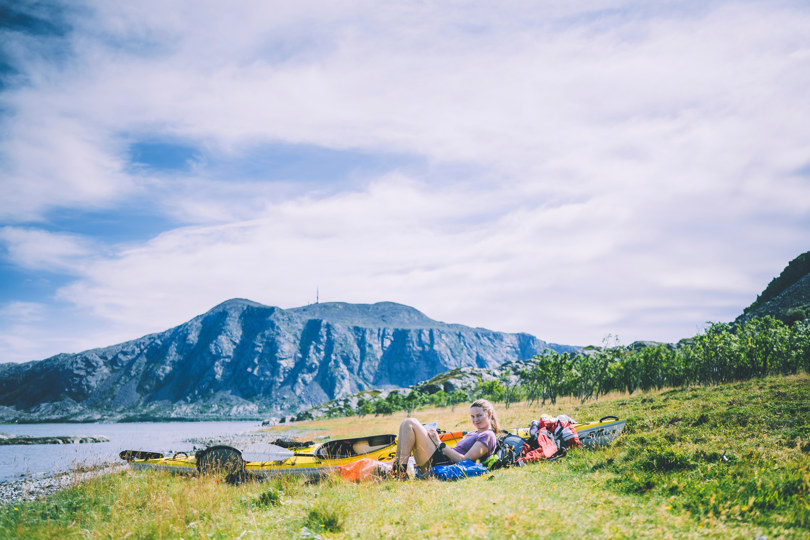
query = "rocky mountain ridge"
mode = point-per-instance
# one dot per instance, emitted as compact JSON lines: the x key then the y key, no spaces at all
{"x":787,"y":296}
{"x":243,"y":359}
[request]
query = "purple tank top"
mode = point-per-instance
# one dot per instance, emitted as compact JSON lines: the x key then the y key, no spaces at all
{"x":487,"y":437}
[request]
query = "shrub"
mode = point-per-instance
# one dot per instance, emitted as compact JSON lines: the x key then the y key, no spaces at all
{"x":269,"y":498}
{"x":324,"y":519}
{"x":635,"y":483}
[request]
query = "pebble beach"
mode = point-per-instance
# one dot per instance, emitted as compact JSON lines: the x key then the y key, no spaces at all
{"x":28,"y":489}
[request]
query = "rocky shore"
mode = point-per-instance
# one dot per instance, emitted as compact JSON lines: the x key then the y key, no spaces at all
{"x":29,"y":489}
{"x":7,"y":439}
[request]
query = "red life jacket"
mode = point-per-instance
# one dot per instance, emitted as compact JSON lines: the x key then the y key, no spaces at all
{"x":565,"y":432}
{"x":546,"y":448}
{"x":549,"y":431}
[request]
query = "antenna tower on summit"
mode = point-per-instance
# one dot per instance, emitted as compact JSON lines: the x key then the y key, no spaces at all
{"x":317,"y":295}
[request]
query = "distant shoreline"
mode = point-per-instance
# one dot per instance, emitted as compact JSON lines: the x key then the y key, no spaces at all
{"x":8,"y":439}
{"x":128,"y":420}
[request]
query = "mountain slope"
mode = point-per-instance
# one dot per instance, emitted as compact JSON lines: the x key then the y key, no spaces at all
{"x":244,"y":359}
{"x":787,"y":297}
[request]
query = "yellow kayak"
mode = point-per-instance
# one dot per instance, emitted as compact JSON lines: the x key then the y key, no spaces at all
{"x":312,"y":460}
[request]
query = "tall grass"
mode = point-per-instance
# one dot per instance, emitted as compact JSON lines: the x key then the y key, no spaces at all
{"x":728,"y":461}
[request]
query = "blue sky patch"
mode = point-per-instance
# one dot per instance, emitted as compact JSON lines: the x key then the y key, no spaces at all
{"x":23,"y":285}
{"x":163,"y":156}
{"x":276,"y":162}
{"x":136,"y":220}
{"x":45,"y":20}
{"x":307,"y":163}
{"x":804,"y":171}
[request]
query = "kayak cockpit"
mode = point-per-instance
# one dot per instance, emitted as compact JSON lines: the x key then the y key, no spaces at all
{"x":347,"y":448}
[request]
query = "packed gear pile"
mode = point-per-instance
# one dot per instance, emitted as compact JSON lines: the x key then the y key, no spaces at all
{"x":550,"y":438}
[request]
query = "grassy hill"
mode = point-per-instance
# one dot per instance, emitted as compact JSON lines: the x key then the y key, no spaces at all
{"x":725,"y":461}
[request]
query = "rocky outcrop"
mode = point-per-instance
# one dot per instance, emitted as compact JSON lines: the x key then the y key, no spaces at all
{"x":247,"y":360}
{"x":790,"y":305}
{"x":787,"y":296}
{"x":8,"y":439}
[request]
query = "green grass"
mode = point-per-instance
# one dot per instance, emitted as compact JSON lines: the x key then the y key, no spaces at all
{"x":737,"y":452}
{"x":728,"y":461}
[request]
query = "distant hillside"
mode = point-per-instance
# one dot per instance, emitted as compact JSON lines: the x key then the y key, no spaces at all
{"x":787,"y":297}
{"x":247,"y":360}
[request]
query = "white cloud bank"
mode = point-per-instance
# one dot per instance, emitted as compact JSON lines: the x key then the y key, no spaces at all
{"x":628,"y":169}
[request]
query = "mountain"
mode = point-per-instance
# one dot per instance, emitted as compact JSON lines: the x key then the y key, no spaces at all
{"x":787,"y":297}
{"x":243,"y":359}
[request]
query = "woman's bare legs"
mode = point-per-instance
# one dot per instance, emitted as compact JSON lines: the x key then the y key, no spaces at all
{"x":413,"y":437}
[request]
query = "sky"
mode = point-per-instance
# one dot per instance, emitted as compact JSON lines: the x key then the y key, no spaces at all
{"x":573,"y":170}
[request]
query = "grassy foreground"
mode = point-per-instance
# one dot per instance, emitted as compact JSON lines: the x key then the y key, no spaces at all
{"x":729,"y":461}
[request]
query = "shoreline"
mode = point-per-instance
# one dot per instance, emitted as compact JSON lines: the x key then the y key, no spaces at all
{"x":29,"y":489}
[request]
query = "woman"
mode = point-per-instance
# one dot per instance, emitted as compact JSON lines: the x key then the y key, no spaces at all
{"x":427,"y":447}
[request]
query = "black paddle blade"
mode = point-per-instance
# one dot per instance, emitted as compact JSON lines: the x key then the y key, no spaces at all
{"x":292,"y":445}
{"x":129,"y":455}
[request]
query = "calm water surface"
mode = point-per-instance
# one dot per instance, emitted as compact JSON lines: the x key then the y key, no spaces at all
{"x":26,"y":461}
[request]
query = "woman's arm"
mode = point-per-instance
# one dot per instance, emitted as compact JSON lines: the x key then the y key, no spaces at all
{"x":475,"y":453}
{"x":478,"y":451}
{"x":448,"y":452}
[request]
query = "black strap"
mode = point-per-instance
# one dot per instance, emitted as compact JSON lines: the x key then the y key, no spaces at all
{"x":438,"y":458}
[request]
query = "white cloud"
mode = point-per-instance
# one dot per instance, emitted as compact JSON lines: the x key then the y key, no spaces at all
{"x":33,"y":331}
{"x":24,"y":312}
{"x":602,"y":168}
{"x":566,"y":274}
{"x":35,"y":249}
{"x":18,"y":323}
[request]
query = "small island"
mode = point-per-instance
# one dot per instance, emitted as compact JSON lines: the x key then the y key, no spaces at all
{"x":9,"y":439}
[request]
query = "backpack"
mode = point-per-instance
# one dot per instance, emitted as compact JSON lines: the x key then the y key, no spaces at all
{"x":508,"y":451}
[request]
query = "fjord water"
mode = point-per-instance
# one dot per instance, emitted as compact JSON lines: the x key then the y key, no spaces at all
{"x":33,"y":461}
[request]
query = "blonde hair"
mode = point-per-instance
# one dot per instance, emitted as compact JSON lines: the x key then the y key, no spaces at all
{"x":488,"y":408}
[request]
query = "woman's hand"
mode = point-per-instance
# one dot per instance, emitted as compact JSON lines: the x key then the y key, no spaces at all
{"x":434,"y":436}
